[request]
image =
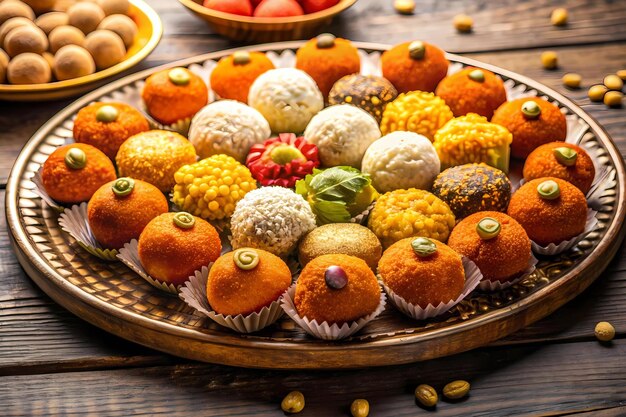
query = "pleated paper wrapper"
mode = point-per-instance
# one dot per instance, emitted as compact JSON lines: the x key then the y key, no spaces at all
{"x":488,"y":285}
{"x":554,"y":249}
{"x":129,"y":255}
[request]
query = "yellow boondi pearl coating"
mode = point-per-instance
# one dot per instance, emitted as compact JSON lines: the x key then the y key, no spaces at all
{"x":212,"y":187}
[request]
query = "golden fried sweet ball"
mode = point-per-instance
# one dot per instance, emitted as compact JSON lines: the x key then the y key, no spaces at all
{"x":26,"y":38}
{"x":122,"y":25}
{"x":85,"y":15}
{"x":106,"y":48}
{"x":4,"y":63}
{"x":40,"y":6}
{"x":14,"y":8}
{"x":66,"y":35}
{"x":413,"y":66}
{"x":28,"y":68}
{"x":50,"y":21}
{"x":336,"y":288}
{"x":72,"y":61}
{"x":11,"y":24}
{"x":421,"y":280}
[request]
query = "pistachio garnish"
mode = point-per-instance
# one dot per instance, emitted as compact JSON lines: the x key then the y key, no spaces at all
{"x":246,"y":258}
{"x":335,"y":277}
{"x":241,"y":57}
{"x":488,"y":228}
{"x":477,"y":75}
{"x":423,"y":247}
{"x":179,"y":76}
{"x":549,"y":190}
{"x":184,"y":220}
{"x":417,"y":50}
{"x":75,"y":158}
{"x":107,"y":114}
{"x":530,"y":109}
{"x":326,"y":40}
{"x":123,"y":186}
{"x":565,"y":156}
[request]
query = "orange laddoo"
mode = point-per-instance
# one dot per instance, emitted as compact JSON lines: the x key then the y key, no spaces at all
{"x":552,"y":160}
{"x":319,"y":298}
{"x":472,"y":90}
{"x":246,"y":280}
{"x":531,"y":126}
{"x":173,"y":95}
{"x":435,"y":278}
{"x":175,"y":245}
{"x":120,"y":210}
{"x":326,"y":59}
{"x":500,"y":258}
{"x":233,"y":75}
{"x":72,"y":173}
{"x":107,"y":125}
{"x":549,"y":220}
{"x":416,"y":65}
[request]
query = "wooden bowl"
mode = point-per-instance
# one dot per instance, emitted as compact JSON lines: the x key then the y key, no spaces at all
{"x":150,"y":30}
{"x":265,"y":29}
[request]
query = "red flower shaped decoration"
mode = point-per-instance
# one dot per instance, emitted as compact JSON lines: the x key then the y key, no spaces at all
{"x":283,"y":160}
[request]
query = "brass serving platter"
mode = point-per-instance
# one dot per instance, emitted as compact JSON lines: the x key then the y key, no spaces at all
{"x":112,"y":297}
{"x":150,"y":30}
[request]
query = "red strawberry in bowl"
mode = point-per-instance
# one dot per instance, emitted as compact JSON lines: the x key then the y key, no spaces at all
{"x":283,"y":160}
{"x":312,"y":6}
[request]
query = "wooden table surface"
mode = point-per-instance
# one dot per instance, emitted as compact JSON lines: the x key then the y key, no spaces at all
{"x":53,"y":363}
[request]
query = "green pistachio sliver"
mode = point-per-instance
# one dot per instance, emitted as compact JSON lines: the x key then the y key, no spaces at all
{"x":549,"y":190}
{"x":75,"y":158}
{"x":417,"y":50}
{"x":565,"y":156}
{"x":246,"y":258}
{"x":477,"y":75}
{"x":488,"y":228}
{"x":423,"y":247}
{"x":326,"y":40}
{"x":123,"y":186}
{"x":184,"y":220}
{"x":531,"y":110}
{"x":107,"y":114}
{"x":179,"y":76}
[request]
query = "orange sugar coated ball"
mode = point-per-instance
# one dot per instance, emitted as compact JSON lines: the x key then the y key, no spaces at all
{"x":174,"y":94}
{"x":472,"y":90}
{"x":501,"y":258}
{"x":549,"y":221}
{"x":433,"y":279}
{"x":411,"y":74}
{"x":67,"y":180}
{"x":233,"y":75}
{"x":107,"y":129}
{"x":328,"y":62}
{"x":316,"y":300}
{"x":529,"y":132}
{"x":171,"y":253}
{"x":115,"y":219}
{"x":543,"y":162}
{"x":233,"y":290}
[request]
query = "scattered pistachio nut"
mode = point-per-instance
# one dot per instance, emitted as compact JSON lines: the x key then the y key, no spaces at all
{"x":565,"y":156}
{"x":417,"y":50}
{"x":488,"y":228}
{"x":463,"y":23}
{"x":241,"y":58}
{"x":549,"y":60}
{"x":530,"y":109}
{"x":613,"y":82}
{"x":456,"y":389}
{"x":559,"y":17}
{"x":621,"y":74}
{"x":549,"y":190}
{"x":326,"y":40}
{"x":604,"y":331}
{"x":426,"y":395}
{"x":477,"y":75}
{"x":572,"y":80}
{"x":360,"y":408}
{"x":75,"y":158}
{"x":596,"y":92}
{"x":613,"y":98}
{"x":423,"y":247}
{"x":404,"y":6}
{"x":293,"y":402}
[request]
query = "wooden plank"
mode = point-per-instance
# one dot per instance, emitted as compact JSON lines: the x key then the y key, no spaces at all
{"x":546,"y":380}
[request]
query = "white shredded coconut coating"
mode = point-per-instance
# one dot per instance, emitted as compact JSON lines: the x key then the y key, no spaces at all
{"x":401,"y":160}
{"x":342,"y":134}
{"x":227,"y":127}
{"x":271,"y":218}
{"x":287,"y":97}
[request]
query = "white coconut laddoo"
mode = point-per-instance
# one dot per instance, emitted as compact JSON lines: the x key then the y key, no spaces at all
{"x":401,"y":160}
{"x":287,"y":97}
{"x":228,"y":127}
{"x":342,"y":133}
{"x":271,"y":218}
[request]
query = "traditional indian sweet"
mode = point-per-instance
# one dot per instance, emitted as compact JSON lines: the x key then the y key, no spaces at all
{"x":233,"y":75}
{"x":246,"y":280}
{"x":271,"y":218}
{"x":107,"y":125}
{"x":533,"y":122}
{"x":495,"y":242}
{"x":342,"y":133}
{"x":227,"y":127}
{"x":106,"y":48}
{"x":326,"y":59}
{"x":211,"y":187}
{"x":368,"y":92}
{"x":337,"y":194}
{"x":28,"y":68}
{"x":416,"y":111}
{"x":13,"y":8}
{"x":112,"y":7}
{"x":345,"y":238}
{"x":66,"y":35}
{"x":154,"y":156}
{"x":472,"y":90}
{"x":401,"y":160}
{"x":337,"y":289}
{"x":287,"y":97}
{"x":15,"y":22}
{"x":72,"y":61}
{"x":471,"y":188}
{"x":173,"y":95}
{"x":49,"y":21}
{"x":550,"y":209}
{"x":4,"y":63}
{"x":416,"y":65}
{"x":406,"y":213}
{"x":472,"y":138}
{"x":40,"y":6}
{"x":26,"y":38}
{"x":175,"y":245}
{"x":72,"y":173}
{"x":85,"y":15}
{"x":121,"y":25}
{"x":566,"y":161}
{"x":120,"y":210}
{"x":422,"y":271}
{"x":282,"y":160}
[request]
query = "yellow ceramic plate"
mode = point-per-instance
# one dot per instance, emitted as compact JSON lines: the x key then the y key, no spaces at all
{"x":148,"y":36}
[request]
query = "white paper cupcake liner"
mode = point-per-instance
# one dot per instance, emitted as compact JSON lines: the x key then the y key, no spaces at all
{"x":554,"y":249}
{"x":472,"y":280}
{"x":325,"y":331}
{"x":487,"y":285}
{"x":41,"y":192}
{"x":194,"y":294}
{"x":74,"y":221}
{"x":129,"y":255}
{"x":181,"y":126}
